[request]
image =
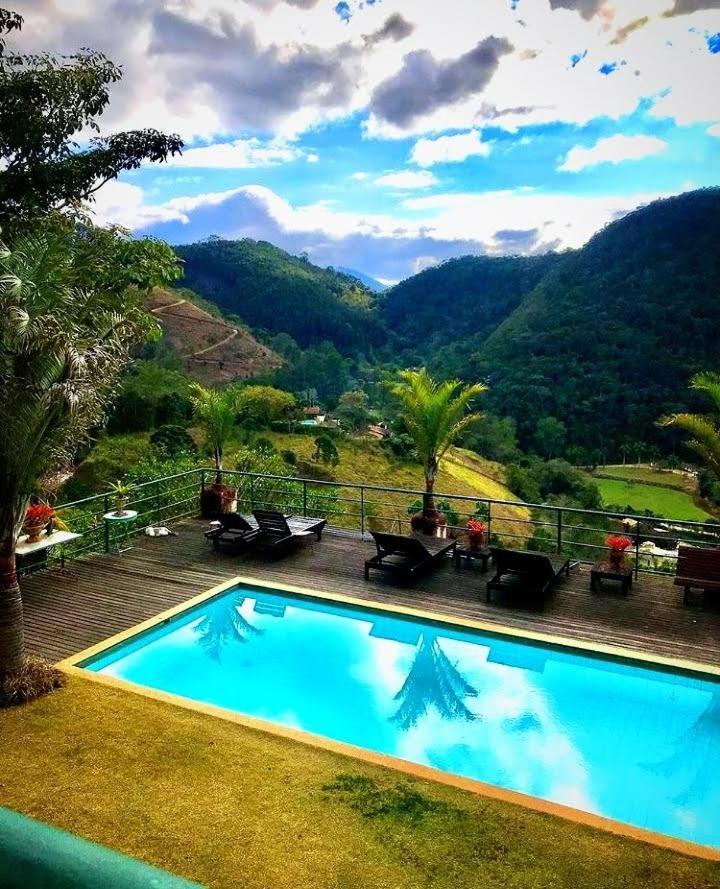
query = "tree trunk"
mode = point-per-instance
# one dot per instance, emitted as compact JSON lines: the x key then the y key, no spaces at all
{"x":429,"y":510}
{"x":12,"y":641}
{"x":218,"y":464}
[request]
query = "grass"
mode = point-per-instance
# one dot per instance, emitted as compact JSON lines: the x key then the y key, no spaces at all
{"x":363,"y":461}
{"x":667,"y":502}
{"x":651,"y":476}
{"x":228,"y":806}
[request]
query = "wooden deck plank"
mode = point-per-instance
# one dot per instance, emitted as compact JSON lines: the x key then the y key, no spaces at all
{"x":98,"y":596}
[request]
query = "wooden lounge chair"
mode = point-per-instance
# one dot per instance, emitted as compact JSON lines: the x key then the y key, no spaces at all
{"x":525,"y":574}
{"x":298,"y":525}
{"x":278,"y":532}
{"x":232,"y":530}
{"x":407,"y":557}
{"x":697,"y":569}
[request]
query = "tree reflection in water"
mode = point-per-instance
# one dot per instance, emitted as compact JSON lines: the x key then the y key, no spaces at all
{"x":688,"y":760}
{"x":222,"y":623}
{"x":432,"y":680}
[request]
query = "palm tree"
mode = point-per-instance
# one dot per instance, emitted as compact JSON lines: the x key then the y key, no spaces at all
{"x":215,"y":412}
{"x":64,"y":341}
{"x":704,"y":430}
{"x":435,"y":414}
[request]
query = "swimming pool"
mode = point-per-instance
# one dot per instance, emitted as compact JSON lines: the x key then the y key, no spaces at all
{"x":605,"y":736}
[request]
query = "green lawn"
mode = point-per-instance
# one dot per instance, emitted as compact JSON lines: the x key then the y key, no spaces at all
{"x":651,"y":476}
{"x":229,"y":806}
{"x":673,"y":504}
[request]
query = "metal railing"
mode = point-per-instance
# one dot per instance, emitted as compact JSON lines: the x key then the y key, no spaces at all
{"x":359,"y":508}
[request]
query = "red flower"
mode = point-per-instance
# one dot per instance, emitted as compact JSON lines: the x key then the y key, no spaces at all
{"x":39,"y":512}
{"x":476,"y":527}
{"x":614,"y":541}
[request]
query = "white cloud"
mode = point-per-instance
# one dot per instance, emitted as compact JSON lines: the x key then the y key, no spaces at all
{"x":240,"y":154}
{"x":612,"y":150}
{"x":423,"y":231}
{"x":714,"y":130}
{"x":407,"y":179}
{"x":360,"y":176}
{"x":449,"y":149}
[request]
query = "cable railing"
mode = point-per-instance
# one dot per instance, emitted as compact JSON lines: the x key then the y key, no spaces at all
{"x":357,"y":509}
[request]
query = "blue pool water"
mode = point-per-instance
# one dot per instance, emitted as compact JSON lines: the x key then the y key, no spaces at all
{"x":604,"y":736}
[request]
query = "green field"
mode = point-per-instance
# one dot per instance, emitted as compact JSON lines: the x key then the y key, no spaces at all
{"x":673,"y":504}
{"x":651,"y":476}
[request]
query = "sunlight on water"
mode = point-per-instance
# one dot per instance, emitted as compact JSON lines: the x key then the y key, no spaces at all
{"x":632,"y":744}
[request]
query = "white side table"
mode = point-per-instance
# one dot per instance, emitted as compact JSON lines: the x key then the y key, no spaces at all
{"x":123,"y":519}
{"x":23,"y":549}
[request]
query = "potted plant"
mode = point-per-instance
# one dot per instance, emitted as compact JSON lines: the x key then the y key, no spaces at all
{"x":476,"y":534}
{"x":435,"y":414}
{"x":215,"y":412}
{"x":122,"y":492}
{"x":618,"y":546}
{"x":36,"y":520}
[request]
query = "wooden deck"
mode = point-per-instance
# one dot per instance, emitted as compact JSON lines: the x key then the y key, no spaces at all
{"x":92,"y":599}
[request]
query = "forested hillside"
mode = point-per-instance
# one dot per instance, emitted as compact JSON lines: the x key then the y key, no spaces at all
{"x":275,"y":291}
{"x":445,"y":313}
{"x":608,"y":339}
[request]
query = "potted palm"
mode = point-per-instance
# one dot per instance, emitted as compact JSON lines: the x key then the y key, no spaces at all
{"x":122,"y":492}
{"x":434,"y":414}
{"x":215,"y":413}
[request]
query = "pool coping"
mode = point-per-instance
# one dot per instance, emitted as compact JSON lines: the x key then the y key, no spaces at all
{"x":72,"y":666}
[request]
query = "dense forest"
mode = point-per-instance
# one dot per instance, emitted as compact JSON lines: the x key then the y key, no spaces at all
{"x":582,"y":351}
{"x":274,"y":291}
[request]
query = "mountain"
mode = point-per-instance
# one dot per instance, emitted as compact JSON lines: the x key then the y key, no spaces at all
{"x":459,"y":303}
{"x":211,"y":350}
{"x":371,"y":283}
{"x":280,"y":293}
{"x":607,"y":340}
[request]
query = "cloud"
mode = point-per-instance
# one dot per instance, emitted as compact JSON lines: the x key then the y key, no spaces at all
{"x":714,"y":130}
{"x":685,"y":7}
{"x":612,"y":150}
{"x":587,"y":8}
{"x":407,"y":179}
{"x":240,"y":154}
{"x":423,"y":83}
{"x":396,"y":28}
{"x":388,"y":246}
{"x":360,"y":176}
{"x":449,"y":149}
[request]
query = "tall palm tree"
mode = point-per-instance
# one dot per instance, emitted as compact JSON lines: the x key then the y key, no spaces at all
{"x":704,"y":430}
{"x":435,"y":414}
{"x":64,"y":341}
{"x":216,"y":412}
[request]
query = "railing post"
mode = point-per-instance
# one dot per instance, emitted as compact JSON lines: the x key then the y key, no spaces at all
{"x":106,"y":524}
{"x":559,"y":530}
{"x":252,"y":493}
{"x":637,"y":548}
{"x":362,"y":510}
{"x":157,"y":502}
{"x":489,"y":521}
{"x":305,"y":498}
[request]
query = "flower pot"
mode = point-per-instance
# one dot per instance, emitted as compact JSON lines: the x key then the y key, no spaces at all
{"x":217,"y":499}
{"x":617,"y":559}
{"x":433,"y":524}
{"x":121,"y":505}
{"x":476,"y":541}
{"x":34,"y":530}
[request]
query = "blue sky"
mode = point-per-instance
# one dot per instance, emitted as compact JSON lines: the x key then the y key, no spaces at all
{"x":387,"y":135}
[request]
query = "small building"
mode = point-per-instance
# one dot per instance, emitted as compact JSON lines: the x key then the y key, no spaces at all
{"x":379,"y":430}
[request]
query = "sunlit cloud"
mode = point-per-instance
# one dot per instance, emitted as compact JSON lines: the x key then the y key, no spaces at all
{"x":613,"y":150}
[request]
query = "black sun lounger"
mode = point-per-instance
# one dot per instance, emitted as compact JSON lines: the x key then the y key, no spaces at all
{"x":407,"y":557}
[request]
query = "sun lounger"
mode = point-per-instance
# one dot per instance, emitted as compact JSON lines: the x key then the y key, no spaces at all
{"x":233,"y":530}
{"x":526,"y":575}
{"x":407,"y":557}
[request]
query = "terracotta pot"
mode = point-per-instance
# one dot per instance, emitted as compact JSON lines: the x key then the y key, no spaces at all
{"x":617,"y":559}
{"x":430,"y":524}
{"x":476,"y":541}
{"x":217,"y":499}
{"x":34,"y":531}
